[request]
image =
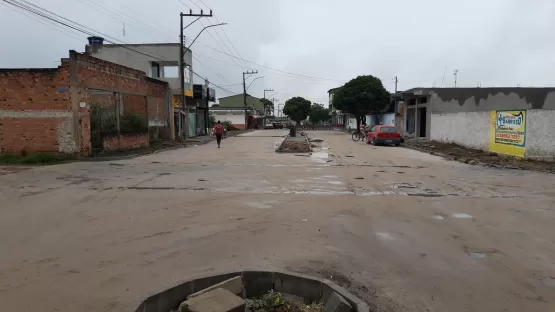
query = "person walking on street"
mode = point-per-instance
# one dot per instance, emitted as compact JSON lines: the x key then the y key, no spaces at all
{"x":219,"y":131}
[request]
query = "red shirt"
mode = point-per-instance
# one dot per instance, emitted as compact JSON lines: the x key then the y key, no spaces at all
{"x":219,"y":129}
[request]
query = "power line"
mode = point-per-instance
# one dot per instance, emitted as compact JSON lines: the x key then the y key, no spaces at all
{"x":185,"y":5}
{"x":150,"y":53}
{"x":73,"y":35}
{"x":232,"y":57}
{"x":209,"y":31}
{"x":37,"y":10}
{"x":270,"y":68}
{"x":121,"y":16}
{"x":225,"y":34}
{"x":144,"y":18}
{"x":124,"y":45}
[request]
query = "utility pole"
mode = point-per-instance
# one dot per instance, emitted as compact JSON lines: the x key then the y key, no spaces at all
{"x":396,"y":81}
{"x":206,"y":112}
{"x":455,"y":73}
{"x":181,"y":63}
{"x":252,"y":72}
{"x":267,"y":90}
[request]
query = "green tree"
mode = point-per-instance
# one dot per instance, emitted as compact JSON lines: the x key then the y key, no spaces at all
{"x":297,"y":108}
{"x":268,"y":106}
{"x":211,"y":121}
{"x":318,"y":113}
{"x":361,"y":96}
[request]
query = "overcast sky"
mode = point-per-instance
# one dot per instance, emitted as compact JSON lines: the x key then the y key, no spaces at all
{"x":494,"y":42}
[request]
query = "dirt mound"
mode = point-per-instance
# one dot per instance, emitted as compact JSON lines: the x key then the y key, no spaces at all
{"x":294,"y":145}
{"x":478,"y":157}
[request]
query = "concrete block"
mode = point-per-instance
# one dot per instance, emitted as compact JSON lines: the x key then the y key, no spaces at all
{"x":363,"y":307}
{"x":168,"y":299}
{"x":329,"y":287}
{"x":216,"y":300}
{"x":305,"y":286}
{"x":234,"y":285}
{"x":257,"y":283}
{"x":336,"y":303}
{"x":206,"y":281}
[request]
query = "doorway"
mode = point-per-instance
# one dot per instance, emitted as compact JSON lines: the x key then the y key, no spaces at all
{"x":422,"y":122}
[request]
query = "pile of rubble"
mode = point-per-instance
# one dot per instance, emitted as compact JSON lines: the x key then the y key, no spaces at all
{"x":472,"y":156}
{"x":229,"y":296}
{"x":294,"y":145}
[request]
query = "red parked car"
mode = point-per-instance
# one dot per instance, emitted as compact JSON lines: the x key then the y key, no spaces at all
{"x":383,"y":134}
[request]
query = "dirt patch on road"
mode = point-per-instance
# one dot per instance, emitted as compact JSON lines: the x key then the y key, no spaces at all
{"x":478,"y":157}
{"x":294,"y":145}
{"x":158,"y":146}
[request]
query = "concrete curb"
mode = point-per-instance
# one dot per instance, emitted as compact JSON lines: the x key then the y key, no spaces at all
{"x":281,"y":143}
{"x":171,"y":148}
{"x":256,"y":283}
{"x":308,"y":142}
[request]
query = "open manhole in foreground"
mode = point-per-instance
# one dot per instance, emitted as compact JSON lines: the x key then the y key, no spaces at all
{"x":235,"y":290}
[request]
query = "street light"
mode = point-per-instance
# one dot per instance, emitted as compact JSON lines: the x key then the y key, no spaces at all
{"x":254,"y":81}
{"x":214,"y":25}
{"x":181,"y":65}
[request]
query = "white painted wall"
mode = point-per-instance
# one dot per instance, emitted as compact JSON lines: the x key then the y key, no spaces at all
{"x":169,"y":52}
{"x":470,"y":129}
{"x":388,"y":119}
{"x":540,"y":132}
{"x":234,"y":119}
{"x":352,"y":123}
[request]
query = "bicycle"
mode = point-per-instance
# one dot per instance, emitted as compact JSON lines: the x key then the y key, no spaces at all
{"x":357,"y":136}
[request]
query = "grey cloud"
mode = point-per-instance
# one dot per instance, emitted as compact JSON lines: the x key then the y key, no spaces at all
{"x":497,"y":42}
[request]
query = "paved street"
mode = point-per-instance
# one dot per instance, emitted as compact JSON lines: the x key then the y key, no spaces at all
{"x":407,"y":230}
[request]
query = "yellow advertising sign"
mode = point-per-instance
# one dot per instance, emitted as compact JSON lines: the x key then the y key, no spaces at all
{"x":176,"y":101}
{"x":508,"y":132}
{"x":188,"y":93}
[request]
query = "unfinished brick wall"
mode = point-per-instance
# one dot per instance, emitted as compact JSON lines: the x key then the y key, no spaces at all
{"x":47,"y":110}
{"x":135,"y":104}
{"x":35,"y":111}
{"x":103,"y":100}
{"x":102,"y":75}
{"x":133,"y":85}
{"x":35,"y":89}
{"x":125,"y":142}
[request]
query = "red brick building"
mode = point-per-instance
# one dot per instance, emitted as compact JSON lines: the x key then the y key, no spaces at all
{"x":48,"y":110}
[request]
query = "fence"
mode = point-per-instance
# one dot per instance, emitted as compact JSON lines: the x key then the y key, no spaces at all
{"x":118,"y":120}
{"x":314,"y":127}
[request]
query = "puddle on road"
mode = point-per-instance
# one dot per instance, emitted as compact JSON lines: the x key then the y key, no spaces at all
{"x":321,"y":157}
{"x":313,"y":169}
{"x":481,"y":253}
{"x":477,"y":255}
{"x":377,"y":193}
{"x":404,"y":185}
{"x":438,"y":217}
{"x":462,"y":216}
{"x":321,"y":192}
{"x":425,"y":194}
{"x":335,"y":182}
{"x":261,"y":205}
{"x":549,"y":281}
{"x":385,"y":236}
